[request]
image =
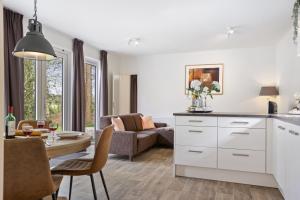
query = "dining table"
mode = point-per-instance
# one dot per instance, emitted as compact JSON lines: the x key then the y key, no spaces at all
{"x":65,"y":146}
{"x":63,"y":142}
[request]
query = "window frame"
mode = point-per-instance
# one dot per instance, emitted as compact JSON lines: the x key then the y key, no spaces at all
{"x":96,"y":63}
{"x":66,"y":85}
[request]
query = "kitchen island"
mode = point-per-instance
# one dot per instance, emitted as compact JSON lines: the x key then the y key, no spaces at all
{"x":257,"y":149}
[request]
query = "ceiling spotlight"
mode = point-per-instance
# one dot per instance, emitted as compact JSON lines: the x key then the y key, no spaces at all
{"x":230,"y":31}
{"x":134,"y":41}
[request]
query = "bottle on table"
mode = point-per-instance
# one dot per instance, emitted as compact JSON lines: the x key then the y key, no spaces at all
{"x":10,"y":124}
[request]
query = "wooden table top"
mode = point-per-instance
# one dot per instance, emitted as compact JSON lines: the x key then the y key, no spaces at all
{"x":63,"y":147}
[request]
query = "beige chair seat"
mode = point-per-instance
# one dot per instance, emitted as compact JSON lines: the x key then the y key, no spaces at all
{"x":80,"y":167}
{"x":76,"y":167}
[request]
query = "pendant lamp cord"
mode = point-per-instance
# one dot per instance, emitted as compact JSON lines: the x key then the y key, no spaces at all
{"x":35,"y":10}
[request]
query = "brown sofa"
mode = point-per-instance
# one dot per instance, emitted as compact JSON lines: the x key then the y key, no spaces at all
{"x":136,"y":140}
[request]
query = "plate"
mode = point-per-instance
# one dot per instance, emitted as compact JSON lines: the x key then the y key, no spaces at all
{"x":68,"y":134}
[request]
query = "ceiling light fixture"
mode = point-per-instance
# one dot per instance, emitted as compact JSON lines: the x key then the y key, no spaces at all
{"x":230,"y":31}
{"x":34,"y":45}
{"x":134,"y":41}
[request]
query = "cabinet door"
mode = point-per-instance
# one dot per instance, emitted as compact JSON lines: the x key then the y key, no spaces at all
{"x":279,"y":142}
{"x":293,"y":163}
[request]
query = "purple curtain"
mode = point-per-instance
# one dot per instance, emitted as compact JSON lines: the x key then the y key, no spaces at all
{"x":133,"y":93}
{"x":13,"y":66}
{"x":78,"y":114}
{"x":103,"y":84}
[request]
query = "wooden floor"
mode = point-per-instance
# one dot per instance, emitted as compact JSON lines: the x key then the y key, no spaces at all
{"x":149,"y":177}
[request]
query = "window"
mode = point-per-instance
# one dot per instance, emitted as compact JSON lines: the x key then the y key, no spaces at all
{"x":90,"y":97}
{"x":29,"y":89}
{"x":45,"y":85}
{"x":54,"y":91}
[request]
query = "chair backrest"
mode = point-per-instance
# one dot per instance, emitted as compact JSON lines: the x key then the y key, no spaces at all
{"x":102,"y":149}
{"x":27,"y":173}
{"x":32,"y":123}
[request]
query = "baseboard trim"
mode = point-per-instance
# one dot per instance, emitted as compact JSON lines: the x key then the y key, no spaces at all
{"x":259,"y":179}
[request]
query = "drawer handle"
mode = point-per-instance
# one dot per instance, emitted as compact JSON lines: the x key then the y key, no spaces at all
{"x":240,"y":122}
{"x":195,"y":131}
{"x":240,"y":155}
{"x":194,"y":151}
{"x":281,"y":127}
{"x":294,"y":133}
{"x":240,"y":133}
{"x":195,"y":121}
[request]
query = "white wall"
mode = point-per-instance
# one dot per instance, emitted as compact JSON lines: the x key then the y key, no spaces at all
{"x":288,"y":70}
{"x":161,"y":79}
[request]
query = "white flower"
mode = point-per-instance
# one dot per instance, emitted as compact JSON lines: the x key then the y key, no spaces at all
{"x":195,"y":84}
{"x":205,"y":89}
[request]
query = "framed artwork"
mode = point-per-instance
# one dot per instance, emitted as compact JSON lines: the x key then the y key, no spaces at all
{"x":206,"y":73}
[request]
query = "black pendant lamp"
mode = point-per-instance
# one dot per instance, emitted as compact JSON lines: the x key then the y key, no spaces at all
{"x":34,"y":45}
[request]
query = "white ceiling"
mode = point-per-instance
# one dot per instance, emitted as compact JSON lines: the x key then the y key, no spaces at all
{"x":164,"y":26}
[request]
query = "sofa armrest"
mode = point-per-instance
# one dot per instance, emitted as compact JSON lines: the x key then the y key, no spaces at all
{"x":160,"y":124}
{"x":124,"y":143}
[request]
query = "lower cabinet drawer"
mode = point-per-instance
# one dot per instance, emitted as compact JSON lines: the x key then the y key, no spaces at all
{"x":242,"y":160}
{"x":242,"y":138}
{"x":196,"y":136}
{"x":241,"y":122}
{"x":196,"y":156}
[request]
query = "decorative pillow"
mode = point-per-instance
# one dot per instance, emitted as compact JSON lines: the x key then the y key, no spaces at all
{"x":147,"y":122}
{"x":129,"y":122}
{"x":118,"y":124}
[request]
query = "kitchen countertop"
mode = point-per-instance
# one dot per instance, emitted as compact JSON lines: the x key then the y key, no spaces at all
{"x":293,"y":119}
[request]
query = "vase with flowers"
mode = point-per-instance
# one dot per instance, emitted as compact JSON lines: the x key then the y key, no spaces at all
{"x":199,"y":91}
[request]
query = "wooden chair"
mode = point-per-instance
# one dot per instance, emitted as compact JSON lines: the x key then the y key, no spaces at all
{"x":32,"y":123}
{"x":27,"y":174}
{"x":79,"y":167}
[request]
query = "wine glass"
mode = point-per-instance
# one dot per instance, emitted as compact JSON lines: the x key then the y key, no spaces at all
{"x":53,"y":127}
{"x":27,"y":129}
{"x":41,"y":123}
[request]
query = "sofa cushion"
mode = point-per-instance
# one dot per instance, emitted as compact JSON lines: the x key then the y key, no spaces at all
{"x":132,"y":122}
{"x":147,"y":122}
{"x":145,"y":141}
{"x":117,"y":123}
{"x":138,"y":122}
{"x":129,"y":122}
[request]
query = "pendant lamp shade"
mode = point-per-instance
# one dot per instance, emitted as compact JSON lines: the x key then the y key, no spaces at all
{"x":34,"y":45}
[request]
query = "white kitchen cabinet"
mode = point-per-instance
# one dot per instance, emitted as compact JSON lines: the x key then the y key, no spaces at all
{"x":242,"y":160}
{"x":196,"y":121}
{"x":292,"y":162}
{"x":279,"y":153}
{"x":225,"y":143}
{"x":197,"y":136}
{"x":242,"y":138}
{"x":196,"y":156}
{"x":241,"y":122}
{"x":286,"y":159}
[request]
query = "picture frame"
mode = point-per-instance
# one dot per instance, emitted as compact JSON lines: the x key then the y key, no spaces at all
{"x":205,"y":73}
